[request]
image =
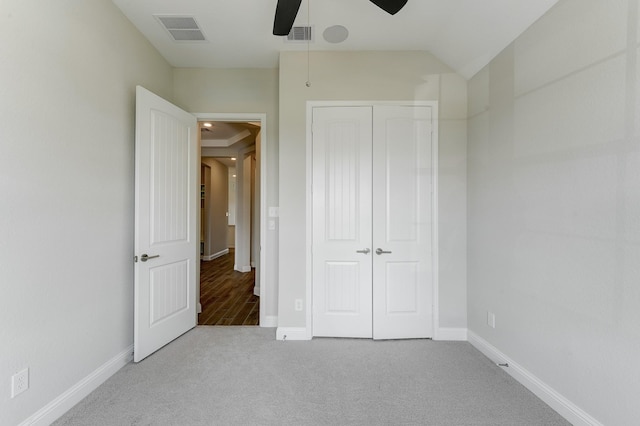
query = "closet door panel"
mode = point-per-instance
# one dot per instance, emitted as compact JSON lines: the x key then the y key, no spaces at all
{"x":342,"y":222}
{"x":402,"y":222}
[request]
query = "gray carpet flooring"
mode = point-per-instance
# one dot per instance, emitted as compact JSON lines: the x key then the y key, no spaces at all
{"x":243,"y":376}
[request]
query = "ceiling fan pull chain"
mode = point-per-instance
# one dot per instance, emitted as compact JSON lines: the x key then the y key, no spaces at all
{"x":308,"y":82}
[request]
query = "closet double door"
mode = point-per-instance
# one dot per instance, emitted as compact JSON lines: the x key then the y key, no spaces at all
{"x":372,"y":197}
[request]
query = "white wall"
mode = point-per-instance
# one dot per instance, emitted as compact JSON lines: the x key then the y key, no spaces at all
{"x":554,"y":202}
{"x":67,"y":94}
{"x":243,"y":214}
{"x":241,"y":91}
{"x":371,"y":76}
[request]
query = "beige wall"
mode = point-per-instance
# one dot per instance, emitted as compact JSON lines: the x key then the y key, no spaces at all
{"x":554,"y":202}
{"x":67,"y":95}
{"x":217,"y":203}
{"x":375,"y":76}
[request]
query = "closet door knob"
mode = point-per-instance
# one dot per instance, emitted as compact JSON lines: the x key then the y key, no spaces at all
{"x":146,"y":257}
{"x":379,"y":251}
{"x":365,"y":251}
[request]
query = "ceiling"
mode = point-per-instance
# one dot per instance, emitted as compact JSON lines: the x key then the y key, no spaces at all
{"x":464,"y":34}
{"x":224,"y":136}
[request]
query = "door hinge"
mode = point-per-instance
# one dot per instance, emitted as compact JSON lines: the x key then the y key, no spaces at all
{"x":135,"y":259}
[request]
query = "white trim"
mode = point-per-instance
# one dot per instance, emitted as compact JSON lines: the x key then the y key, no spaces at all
{"x":450,"y":334}
{"x":63,"y":403}
{"x":309,"y":220}
{"x":309,"y":217}
{"x":215,"y":255}
{"x":225,"y":143}
{"x":312,"y":104}
{"x":435,"y":256}
{"x":293,"y":333}
{"x":567,"y":409}
{"x":270,"y":321}
{"x":265,"y":287}
{"x":245,"y":268}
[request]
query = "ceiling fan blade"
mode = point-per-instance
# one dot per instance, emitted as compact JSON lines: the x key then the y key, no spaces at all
{"x":286,"y":12}
{"x":390,"y":6}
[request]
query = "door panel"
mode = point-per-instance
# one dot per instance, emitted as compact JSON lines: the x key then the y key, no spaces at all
{"x":342,"y":288}
{"x":166,"y":190}
{"x":401,"y":287}
{"x":341,"y":222}
{"x":168,"y":291}
{"x":170,"y":184}
{"x":401,"y":157}
{"x":402,"y":206}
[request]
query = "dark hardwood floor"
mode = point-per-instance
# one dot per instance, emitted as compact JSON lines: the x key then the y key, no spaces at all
{"x":227,"y":295}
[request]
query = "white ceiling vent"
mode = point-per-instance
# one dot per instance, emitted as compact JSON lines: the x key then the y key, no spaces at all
{"x":300,"y":34}
{"x":181,"y":28}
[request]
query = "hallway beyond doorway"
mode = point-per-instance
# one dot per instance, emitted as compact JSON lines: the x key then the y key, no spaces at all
{"x":226,"y":295}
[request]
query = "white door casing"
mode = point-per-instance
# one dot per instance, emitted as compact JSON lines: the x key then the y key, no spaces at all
{"x":265,"y":287}
{"x":402,"y":222}
{"x":342,"y":222}
{"x":372,"y":191}
{"x":166,"y":225}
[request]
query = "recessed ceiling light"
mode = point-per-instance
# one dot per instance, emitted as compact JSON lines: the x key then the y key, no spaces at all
{"x":207,"y":125}
{"x":233,"y":175}
{"x":335,"y":34}
{"x":233,"y":158}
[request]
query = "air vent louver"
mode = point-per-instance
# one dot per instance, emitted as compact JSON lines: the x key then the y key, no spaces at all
{"x":182,"y":28}
{"x":300,"y":34}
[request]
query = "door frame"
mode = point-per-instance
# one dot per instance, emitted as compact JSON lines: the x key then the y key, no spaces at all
{"x":309,"y":201}
{"x":265,"y":287}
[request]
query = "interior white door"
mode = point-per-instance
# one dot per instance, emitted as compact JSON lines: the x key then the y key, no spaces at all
{"x":372,"y":203}
{"x":402,"y":222}
{"x":342,"y":222}
{"x":166,"y":239}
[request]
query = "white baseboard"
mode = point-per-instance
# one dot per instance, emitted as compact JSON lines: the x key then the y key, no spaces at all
{"x":451,"y":334}
{"x":567,"y":409}
{"x":215,"y":255}
{"x":256,"y":290}
{"x":246,"y":268}
{"x":253,"y":264}
{"x":292,"y":333}
{"x":270,"y":321}
{"x":56,"y":408}
{"x":199,"y":308}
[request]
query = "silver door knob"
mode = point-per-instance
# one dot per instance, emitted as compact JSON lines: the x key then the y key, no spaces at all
{"x":146,"y":257}
{"x":379,"y":251}
{"x":365,"y":251}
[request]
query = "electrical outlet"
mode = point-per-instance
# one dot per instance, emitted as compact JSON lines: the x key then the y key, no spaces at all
{"x":19,"y":382}
{"x":491,"y":319}
{"x":298,"y":305}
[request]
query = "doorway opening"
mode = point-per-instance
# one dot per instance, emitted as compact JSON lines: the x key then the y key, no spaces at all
{"x":231,"y":215}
